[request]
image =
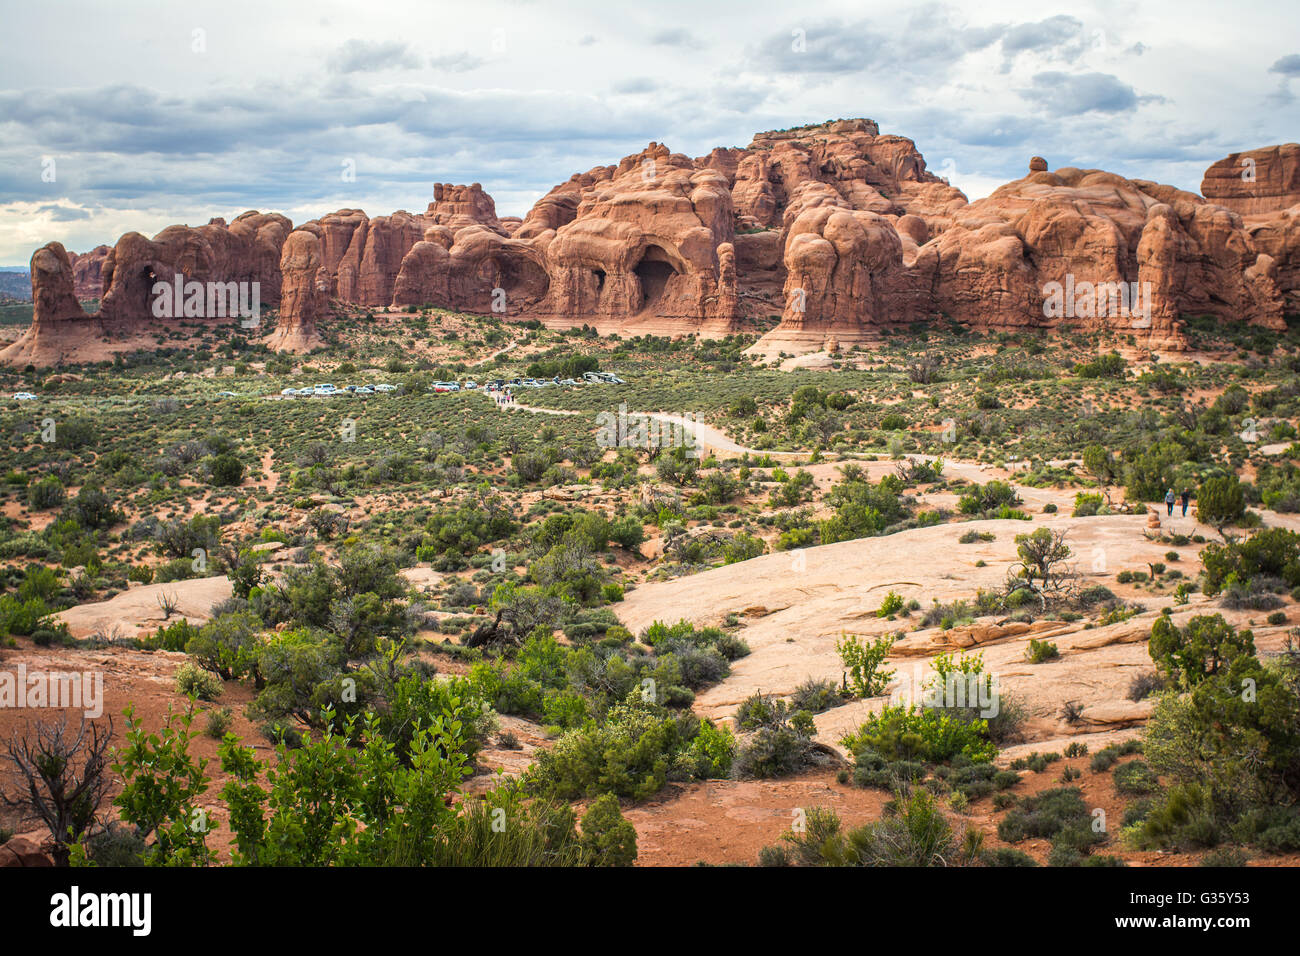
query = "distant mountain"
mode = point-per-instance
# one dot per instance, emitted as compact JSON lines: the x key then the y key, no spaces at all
{"x":15,"y":283}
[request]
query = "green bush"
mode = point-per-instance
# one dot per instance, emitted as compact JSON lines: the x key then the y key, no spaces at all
{"x":608,"y":839}
{"x":193,"y":681}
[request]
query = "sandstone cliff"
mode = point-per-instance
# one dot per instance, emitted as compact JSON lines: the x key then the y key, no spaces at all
{"x":842,"y":230}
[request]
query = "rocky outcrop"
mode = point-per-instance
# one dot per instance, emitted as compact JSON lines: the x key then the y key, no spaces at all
{"x":459,"y":206}
{"x":1257,"y":181}
{"x":59,"y":324}
{"x":1067,"y":247}
{"x":246,"y":251}
{"x":303,"y":299}
{"x":88,"y":272}
{"x":644,"y":246}
{"x":842,"y":230}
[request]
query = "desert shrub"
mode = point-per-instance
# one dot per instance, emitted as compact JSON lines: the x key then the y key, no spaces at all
{"x":608,"y":839}
{"x":1059,"y":815}
{"x":781,"y":743}
{"x":1271,"y":553}
{"x":864,"y":676}
{"x":226,"y":470}
{"x":989,"y":498}
{"x":814,"y":696}
{"x":219,"y":721}
{"x":926,"y":735}
{"x":1220,"y":501}
{"x":415,"y":702}
{"x":1007,"y":856}
{"x":173,"y":637}
{"x":1039,"y":651}
{"x":913,"y":832}
{"x":1086,"y":505}
{"x":46,"y":493}
{"x":1206,"y":645}
{"x":1136,"y":777}
{"x":193,"y":681}
{"x":629,"y":755}
{"x":228,"y":645}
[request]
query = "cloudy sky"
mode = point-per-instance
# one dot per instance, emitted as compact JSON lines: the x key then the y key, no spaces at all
{"x":134,"y":115}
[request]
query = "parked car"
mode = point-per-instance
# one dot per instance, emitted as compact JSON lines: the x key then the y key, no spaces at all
{"x":325,"y":389}
{"x":24,"y":396}
{"x":364,"y":390}
{"x":289,"y":392}
{"x":225,"y":393}
{"x":471,"y":384}
{"x":385,"y":388}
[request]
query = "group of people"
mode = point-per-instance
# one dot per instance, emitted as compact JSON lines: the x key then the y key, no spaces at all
{"x":1170,"y":499}
{"x":504,"y":397}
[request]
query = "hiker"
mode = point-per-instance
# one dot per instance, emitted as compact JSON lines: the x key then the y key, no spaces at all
{"x":1187,"y":500}
{"x":1169,"y":500}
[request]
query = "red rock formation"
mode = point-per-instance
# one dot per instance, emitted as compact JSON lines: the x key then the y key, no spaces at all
{"x":1256,"y":181}
{"x":841,"y":228}
{"x":246,"y":251}
{"x":457,"y":206}
{"x":303,"y":300}
{"x":59,"y":325}
{"x":88,"y":272}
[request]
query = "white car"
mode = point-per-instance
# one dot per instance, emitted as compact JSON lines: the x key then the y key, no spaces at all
{"x":471,"y":384}
{"x":363,"y":390}
{"x":224,"y":393}
{"x":24,"y":397}
{"x":385,"y":388}
{"x":325,"y":389}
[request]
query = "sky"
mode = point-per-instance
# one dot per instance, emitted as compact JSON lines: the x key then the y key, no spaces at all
{"x":135,"y":115}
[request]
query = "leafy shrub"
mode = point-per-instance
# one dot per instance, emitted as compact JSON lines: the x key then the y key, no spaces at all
{"x":928,"y":735}
{"x":864,"y":676}
{"x":193,"y":681}
{"x":1039,"y":651}
{"x":608,"y":838}
{"x":1136,"y":776}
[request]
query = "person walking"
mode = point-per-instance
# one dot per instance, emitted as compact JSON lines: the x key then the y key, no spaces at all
{"x":1169,"y":500}
{"x":1187,"y":500}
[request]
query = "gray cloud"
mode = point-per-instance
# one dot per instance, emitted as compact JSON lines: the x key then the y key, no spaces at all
{"x":461,"y":62}
{"x":1069,"y":94}
{"x":676,"y":37}
{"x":362,"y":56}
{"x":927,"y":42}
{"x":1044,"y":35}
{"x":637,"y":84}
{"x":1287,"y":65}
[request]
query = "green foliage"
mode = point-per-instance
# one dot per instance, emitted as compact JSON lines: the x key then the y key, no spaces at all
{"x":1221,"y":501}
{"x":928,"y":735}
{"x":161,"y":787}
{"x":864,"y":677}
{"x":193,"y":681}
{"x":1270,"y":553}
{"x":1205,"y":646}
{"x":226,"y":470}
{"x":1039,"y":652}
{"x":629,"y":754}
{"x":228,"y":645}
{"x":988,"y":499}
{"x":608,"y":839}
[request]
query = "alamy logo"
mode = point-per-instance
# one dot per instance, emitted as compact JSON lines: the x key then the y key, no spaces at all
{"x":75,"y":909}
{"x":1088,"y":300}
{"x":55,"y":689}
{"x":208,"y":300}
{"x":969,"y":690}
